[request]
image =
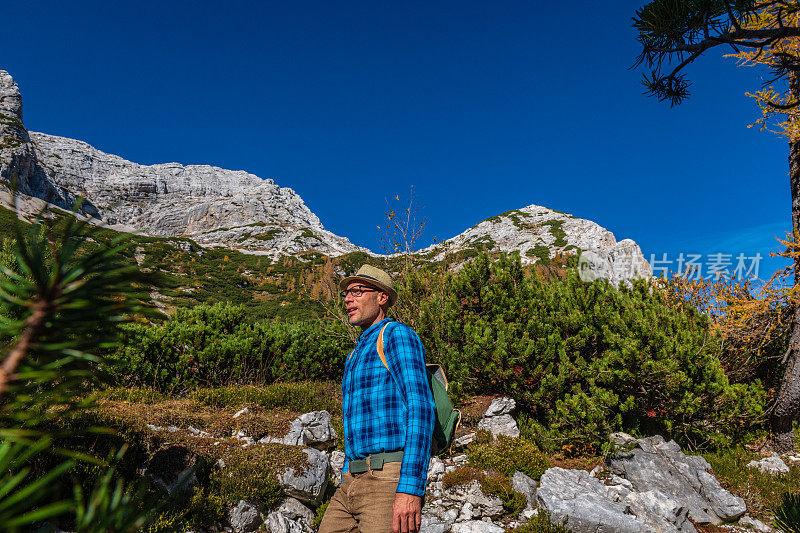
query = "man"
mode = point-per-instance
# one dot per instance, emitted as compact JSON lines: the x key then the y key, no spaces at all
{"x":388,"y":417}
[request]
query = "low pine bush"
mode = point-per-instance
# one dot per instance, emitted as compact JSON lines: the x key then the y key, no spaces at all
{"x":507,"y":455}
{"x":584,"y":359}
{"x":215,"y":345}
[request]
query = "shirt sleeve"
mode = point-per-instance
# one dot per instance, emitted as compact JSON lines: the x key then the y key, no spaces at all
{"x":405,"y":356}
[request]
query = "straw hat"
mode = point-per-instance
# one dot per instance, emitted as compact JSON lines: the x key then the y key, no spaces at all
{"x":375,"y":277}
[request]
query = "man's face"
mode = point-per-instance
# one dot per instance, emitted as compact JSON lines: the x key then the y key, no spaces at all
{"x":365,"y":310}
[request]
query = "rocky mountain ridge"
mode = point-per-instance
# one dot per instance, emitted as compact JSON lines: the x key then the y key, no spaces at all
{"x":236,"y":209}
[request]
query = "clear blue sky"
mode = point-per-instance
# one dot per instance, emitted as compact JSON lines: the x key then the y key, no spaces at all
{"x":482,"y":106}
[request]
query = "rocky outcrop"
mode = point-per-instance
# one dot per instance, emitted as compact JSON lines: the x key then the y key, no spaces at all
{"x":582,"y":503}
{"x":498,"y":419}
{"x":539,"y":233}
{"x":308,"y":485}
{"x":655,"y":465}
{"x":208,"y":204}
{"x":312,"y":429}
{"x":19,"y":165}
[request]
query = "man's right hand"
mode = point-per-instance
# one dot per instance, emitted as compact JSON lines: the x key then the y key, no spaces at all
{"x":407,"y":513}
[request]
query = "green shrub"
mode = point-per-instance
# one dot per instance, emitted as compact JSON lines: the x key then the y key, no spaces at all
{"x":507,"y":455}
{"x":787,"y":515}
{"x":584,"y":359}
{"x":215,"y":345}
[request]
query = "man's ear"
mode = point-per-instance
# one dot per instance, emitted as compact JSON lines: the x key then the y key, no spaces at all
{"x":383,"y":299}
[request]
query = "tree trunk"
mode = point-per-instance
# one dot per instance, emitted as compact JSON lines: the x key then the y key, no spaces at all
{"x":787,"y":402}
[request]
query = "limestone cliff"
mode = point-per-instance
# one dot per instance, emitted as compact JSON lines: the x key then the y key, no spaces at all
{"x":539,"y":233}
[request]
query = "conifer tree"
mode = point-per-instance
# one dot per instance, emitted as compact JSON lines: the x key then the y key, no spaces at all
{"x":61,"y":295}
{"x":674,"y":33}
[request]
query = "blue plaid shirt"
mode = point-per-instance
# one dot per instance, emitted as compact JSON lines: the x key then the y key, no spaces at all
{"x":389,"y":411}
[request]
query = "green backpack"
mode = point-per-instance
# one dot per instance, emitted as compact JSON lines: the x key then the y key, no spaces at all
{"x":447,"y":418}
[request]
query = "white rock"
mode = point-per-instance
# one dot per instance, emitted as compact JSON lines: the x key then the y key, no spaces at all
{"x":244,"y":517}
{"x":754,"y":523}
{"x":312,"y":429}
{"x":616,"y":480}
{"x":482,"y":504}
{"x":476,"y":526}
{"x":464,"y":440}
{"x":770,"y":465}
{"x":500,"y":425}
{"x":526,"y":486}
{"x":279,"y":523}
{"x":309,"y":485}
{"x":293,"y":509}
{"x":501,"y":406}
{"x":435,"y":469}
{"x":240,"y":412}
{"x":466,"y":512}
{"x":337,"y":463}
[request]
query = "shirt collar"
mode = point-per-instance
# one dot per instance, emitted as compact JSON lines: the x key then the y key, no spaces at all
{"x":370,"y":330}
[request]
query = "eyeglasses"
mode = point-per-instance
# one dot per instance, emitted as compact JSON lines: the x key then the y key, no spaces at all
{"x":356,"y":291}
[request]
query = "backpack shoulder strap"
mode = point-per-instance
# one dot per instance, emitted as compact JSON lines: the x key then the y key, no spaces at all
{"x":380,"y":347}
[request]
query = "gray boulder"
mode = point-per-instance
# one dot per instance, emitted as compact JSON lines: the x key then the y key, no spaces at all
{"x":526,"y":486}
{"x":309,"y":485}
{"x":500,"y":425}
{"x":244,"y":517}
{"x":433,"y":524}
{"x":660,"y":466}
{"x":501,"y":406}
{"x":312,"y":429}
{"x":770,"y":465}
{"x":279,"y":523}
{"x":580,"y":501}
{"x":754,"y":523}
{"x":482,"y":504}
{"x":659,"y":511}
{"x":293,"y":509}
{"x":476,"y":526}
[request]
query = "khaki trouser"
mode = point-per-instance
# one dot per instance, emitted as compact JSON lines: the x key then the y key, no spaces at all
{"x":363,"y":502}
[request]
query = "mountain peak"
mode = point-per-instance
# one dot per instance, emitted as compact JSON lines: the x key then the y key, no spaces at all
{"x":10,"y":97}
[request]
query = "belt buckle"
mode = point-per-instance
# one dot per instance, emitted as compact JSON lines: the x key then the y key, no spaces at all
{"x":376,"y":462}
